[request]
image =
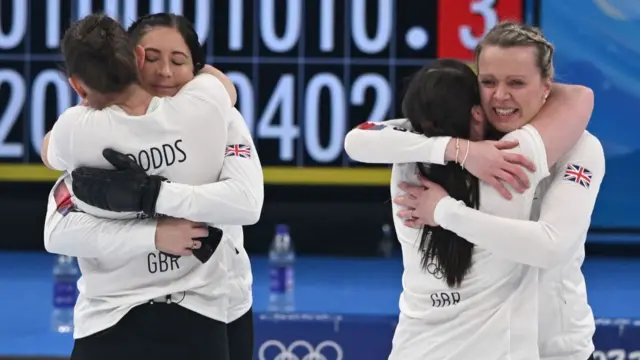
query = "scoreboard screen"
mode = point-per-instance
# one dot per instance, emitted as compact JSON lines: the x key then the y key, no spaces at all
{"x":306,"y":71}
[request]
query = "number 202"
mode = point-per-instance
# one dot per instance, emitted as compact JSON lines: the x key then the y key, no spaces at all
{"x":16,"y":101}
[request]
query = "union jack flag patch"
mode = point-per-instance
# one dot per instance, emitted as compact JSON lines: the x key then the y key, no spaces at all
{"x":578,"y":174}
{"x":62,"y":197}
{"x":240,"y":150}
{"x":371,"y":126}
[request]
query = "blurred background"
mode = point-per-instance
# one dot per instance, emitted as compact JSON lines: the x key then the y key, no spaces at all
{"x":307,"y":71}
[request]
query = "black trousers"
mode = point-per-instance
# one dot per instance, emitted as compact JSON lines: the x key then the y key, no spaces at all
{"x":240,"y":334}
{"x":157,"y":331}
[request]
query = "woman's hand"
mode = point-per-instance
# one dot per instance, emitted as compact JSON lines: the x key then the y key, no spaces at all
{"x":487,"y":162}
{"x":419,"y":203}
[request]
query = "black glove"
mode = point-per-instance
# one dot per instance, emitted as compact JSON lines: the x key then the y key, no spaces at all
{"x":209,"y":244}
{"x":126,"y":189}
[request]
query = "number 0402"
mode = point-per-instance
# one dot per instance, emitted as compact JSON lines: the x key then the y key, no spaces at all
{"x":282,"y":101}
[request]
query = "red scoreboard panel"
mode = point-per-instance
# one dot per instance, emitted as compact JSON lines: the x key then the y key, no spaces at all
{"x":462,"y":23}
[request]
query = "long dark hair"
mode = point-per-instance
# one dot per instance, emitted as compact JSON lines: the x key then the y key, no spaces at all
{"x":140,"y":27}
{"x":438,"y":102}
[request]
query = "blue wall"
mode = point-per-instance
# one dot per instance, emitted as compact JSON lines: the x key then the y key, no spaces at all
{"x":598,"y":45}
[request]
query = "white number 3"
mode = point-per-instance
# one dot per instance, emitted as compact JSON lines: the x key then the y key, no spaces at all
{"x":486,"y":9}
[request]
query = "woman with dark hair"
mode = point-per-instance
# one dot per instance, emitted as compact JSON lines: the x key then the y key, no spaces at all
{"x":178,"y":305}
{"x":173,"y":54}
{"x":461,"y":301}
{"x":164,"y":73}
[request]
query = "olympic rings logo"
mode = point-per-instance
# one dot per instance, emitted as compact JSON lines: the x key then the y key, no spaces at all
{"x":311,"y":353}
{"x":435,"y":270}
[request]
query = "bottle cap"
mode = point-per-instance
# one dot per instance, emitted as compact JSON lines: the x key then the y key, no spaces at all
{"x":282,"y":229}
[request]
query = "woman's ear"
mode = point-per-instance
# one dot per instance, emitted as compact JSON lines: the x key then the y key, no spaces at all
{"x":477,"y":114}
{"x":548,"y":84}
{"x":77,"y":87}
{"x":478,"y":123}
{"x":139,"y":53}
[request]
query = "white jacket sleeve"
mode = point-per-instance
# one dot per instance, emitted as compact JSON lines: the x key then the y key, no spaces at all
{"x":60,"y":151}
{"x":68,"y":231}
{"x":393,"y":142}
{"x":236,"y":199}
{"x":564,"y":220}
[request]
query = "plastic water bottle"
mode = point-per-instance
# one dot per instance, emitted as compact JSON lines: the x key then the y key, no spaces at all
{"x":65,"y":277}
{"x":386,"y":244}
{"x":282,"y":258}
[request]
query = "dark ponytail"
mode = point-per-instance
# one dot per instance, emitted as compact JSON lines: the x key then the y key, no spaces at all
{"x":97,"y":50}
{"x":438,"y":102}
